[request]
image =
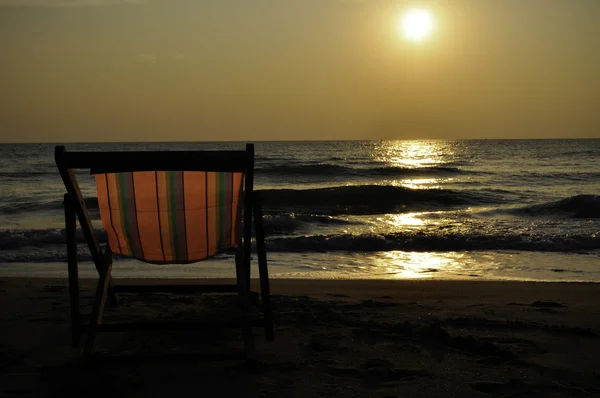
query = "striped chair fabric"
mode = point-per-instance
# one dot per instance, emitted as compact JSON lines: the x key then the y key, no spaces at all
{"x":170,"y":216}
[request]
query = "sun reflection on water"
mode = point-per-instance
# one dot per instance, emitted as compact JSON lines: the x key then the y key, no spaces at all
{"x":421,"y":157}
{"x":411,"y":153}
{"x":401,"y":220}
{"x":401,"y":265}
{"x":416,"y":183}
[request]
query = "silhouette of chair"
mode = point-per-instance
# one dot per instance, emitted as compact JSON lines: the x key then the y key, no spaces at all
{"x":165,"y":207}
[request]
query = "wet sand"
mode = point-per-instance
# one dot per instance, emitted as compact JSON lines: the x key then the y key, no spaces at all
{"x":333,"y":339}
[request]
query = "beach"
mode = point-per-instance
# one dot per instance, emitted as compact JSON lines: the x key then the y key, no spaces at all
{"x":346,"y":338}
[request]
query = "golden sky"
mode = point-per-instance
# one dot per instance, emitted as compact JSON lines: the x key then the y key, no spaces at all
{"x":212,"y":70}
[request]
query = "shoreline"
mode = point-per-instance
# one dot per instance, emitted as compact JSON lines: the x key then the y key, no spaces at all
{"x":157,"y":280}
{"x":392,"y":265}
{"x":286,"y":281}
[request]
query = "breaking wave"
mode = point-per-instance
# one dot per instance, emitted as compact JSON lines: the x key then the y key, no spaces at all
{"x":13,"y":239}
{"x":48,"y":245}
{"x":448,"y":242}
{"x":373,"y":199}
{"x":579,"y":206}
{"x":25,"y":206}
{"x":273,"y":224}
{"x":351,"y":199}
{"x":331,"y":170}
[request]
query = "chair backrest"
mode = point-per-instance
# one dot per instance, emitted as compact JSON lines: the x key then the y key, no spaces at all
{"x":165,"y":207}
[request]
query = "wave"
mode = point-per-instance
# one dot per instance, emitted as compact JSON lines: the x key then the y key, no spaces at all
{"x":550,"y":178}
{"x":351,"y":199}
{"x":26,"y":174}
{"x":374,"y":199}
{"x":36,"y":255}
{"x":442,"y":243}
{"x":581,"y":152}
{"x":333,"y":170}
{"x":14,"y":239}
{"x":28,"y":206}
{"x":579,"y":206}
{"x":273,"y":224}
{"x":50,"y":172}
{"x":405,"y":241}
{"x":290,"y":222}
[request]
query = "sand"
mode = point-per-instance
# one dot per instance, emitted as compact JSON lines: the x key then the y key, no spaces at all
{"x":333,"y":339}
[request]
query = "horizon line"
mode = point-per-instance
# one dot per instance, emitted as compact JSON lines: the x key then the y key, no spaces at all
{"x":293,"y":141}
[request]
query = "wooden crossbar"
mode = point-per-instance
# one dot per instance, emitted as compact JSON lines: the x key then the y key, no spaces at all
{"x":114,"y":162}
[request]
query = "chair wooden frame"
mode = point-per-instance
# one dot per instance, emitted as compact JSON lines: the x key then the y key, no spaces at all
{"x":75,"y":208}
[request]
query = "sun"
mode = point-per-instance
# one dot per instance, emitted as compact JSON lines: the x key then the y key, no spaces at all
{"x":416,"y":24}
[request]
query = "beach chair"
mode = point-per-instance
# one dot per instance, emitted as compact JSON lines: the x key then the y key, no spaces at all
{"x":165,"y":207}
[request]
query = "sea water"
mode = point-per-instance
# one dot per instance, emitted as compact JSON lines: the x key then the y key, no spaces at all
{"x":472,"y":209}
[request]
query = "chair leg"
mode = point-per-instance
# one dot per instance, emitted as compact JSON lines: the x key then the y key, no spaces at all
{"x":98,"y":306}
{"x":112,"y":296}
{"x":245,"y":305}
{"x":70,"y":225}
{"x":265,"y":289}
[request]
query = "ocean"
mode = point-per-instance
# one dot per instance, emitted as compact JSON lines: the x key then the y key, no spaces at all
{"x":456,"y":209}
